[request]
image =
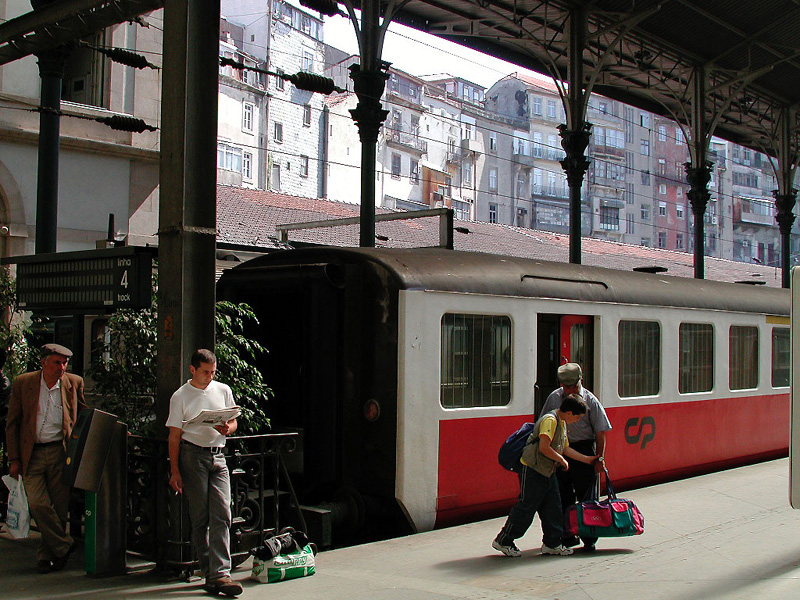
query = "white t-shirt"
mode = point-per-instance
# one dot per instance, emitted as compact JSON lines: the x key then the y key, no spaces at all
{"x":188,"y":400}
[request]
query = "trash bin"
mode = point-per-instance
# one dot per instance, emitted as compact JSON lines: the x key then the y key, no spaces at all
{"x":97,"y":463}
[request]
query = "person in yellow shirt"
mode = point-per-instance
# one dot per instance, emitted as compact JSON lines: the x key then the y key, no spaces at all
{"x":539,"y":492}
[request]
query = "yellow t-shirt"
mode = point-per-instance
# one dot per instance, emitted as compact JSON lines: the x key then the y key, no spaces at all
{"x":557,"y":432}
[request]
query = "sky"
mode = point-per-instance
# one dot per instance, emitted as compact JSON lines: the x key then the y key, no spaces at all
{"x":420,"y":54}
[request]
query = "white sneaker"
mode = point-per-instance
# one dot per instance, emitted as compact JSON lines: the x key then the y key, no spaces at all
{"x":509,"y":550}
{"x":558,"y":550}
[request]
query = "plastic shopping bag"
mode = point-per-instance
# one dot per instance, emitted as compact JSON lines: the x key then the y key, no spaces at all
{"x":18,"y":519}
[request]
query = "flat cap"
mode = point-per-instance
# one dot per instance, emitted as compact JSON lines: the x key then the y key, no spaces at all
{"x":49,"y":349}
{"x":570,"y":374}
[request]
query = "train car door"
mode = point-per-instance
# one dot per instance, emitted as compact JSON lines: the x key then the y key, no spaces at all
{"x":562,"y":339}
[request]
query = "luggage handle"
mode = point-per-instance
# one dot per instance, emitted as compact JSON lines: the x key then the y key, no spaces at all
{"x":594,"y":492}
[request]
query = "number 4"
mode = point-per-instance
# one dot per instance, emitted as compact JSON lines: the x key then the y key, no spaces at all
{"x":124,"y":282}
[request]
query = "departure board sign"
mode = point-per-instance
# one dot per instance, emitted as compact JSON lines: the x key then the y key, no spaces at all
{"x":77,"y":282}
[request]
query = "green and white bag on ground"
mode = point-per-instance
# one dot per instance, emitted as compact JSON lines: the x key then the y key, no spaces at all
{"x":290,"y":565}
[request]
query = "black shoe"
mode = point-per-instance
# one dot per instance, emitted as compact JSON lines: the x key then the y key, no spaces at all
{"x":589,"y":548}
{"x":569,"y":542}
{"x":61,"y":562}
{"x":44,"y":566}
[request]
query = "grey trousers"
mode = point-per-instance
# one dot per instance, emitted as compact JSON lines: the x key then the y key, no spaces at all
{"x":207,"y":488}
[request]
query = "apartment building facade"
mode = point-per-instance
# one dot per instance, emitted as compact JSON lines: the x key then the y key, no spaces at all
{"x":284,"y":40}
{"x":102,"y":171}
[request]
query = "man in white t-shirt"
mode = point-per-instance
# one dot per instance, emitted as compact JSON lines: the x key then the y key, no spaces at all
{"x":198,"y":467}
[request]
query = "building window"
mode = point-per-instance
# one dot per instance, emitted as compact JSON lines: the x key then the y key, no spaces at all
{"x":743,"y":357}
{"x":537,"y":106}
{"x":466,"y":173}
{"x":644,"y":147}
{"x":678,"y":136}
{"x":229,"y":158}
{"x":279,"y":81}
{"x":645,"y":212}
{"x":679,"y":241}
{"x":662,"y":209}
{"x":303,"y":166}
{"x":275,"y":178}
{"x":629,"y":224}
{"x":493,"y":180}
{"x":277,"y":133}
{"x":492,"y":213}
{"x":696,"y":351}
{"x":247,"y":165}
{"x":493,"y":141}
{"x":781,"y":356}
{"x":475,"y":361}
{"x":551,"y":109}
{"x":679,"y":210}
{"x":662,"y":133}
{"x":662,"y":239}
{"x":662,"y":188}
{"x":645,"y":177}
{"x":609,"y":218}
{"x":247,"y":116}
{"x":662,"y":167}
{"x":414,"y":173}
{"x":396,"y":166}
{"x":307,"y":114}
{"x":308,"y":61}
{"x":639,"y":358}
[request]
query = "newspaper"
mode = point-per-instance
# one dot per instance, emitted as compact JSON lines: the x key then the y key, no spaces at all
{"x":214,"y":417}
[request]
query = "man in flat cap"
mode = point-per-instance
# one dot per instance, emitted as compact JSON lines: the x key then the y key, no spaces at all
{"x":587,"y":436}
{"x":42,"y":411}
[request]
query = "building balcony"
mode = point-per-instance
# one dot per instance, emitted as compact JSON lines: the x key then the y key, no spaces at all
{"x":522,"y":159}
{"x":407,"y":141}
{"x":757,"y":218}
{"x":606,"y":151}
{"x":468,"y":145}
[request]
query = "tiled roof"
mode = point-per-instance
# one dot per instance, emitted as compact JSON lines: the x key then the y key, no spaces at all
{"x":248,"y":217}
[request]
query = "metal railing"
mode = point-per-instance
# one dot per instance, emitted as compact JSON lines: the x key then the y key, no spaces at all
{"x":263,"y":499}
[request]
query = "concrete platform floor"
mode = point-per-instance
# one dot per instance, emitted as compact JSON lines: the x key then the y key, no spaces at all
{"x":730,"y":535}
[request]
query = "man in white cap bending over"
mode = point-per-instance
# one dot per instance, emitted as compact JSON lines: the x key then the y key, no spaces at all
{"x":587,"y":436}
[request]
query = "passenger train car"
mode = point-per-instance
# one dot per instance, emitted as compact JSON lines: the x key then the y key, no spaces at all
{"x":405,"y":369}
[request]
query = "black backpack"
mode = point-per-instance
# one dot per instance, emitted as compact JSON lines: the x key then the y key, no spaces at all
{"x":511,"y":450}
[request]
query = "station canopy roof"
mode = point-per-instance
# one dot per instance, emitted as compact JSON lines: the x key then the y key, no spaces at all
{"x":645,"y":52}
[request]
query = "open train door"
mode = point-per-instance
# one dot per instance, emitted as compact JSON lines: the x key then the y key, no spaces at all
{"x":562,"y":339}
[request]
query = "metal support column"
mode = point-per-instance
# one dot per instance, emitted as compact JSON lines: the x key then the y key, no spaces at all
{"x":786,"y":194}
{"x":187,"y":211}
{"x":51,"y":71}
{"x":369,"y":80}
{"x":575,"y":134}
{"x":698,"y":172}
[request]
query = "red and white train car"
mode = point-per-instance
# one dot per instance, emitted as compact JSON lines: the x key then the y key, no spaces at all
{"x":405,"y":370}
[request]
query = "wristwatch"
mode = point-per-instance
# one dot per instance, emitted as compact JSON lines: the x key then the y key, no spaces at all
{"x":601,"y":459}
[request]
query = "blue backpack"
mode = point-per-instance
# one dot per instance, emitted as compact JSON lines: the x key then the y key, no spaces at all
{"x":511,"y":450}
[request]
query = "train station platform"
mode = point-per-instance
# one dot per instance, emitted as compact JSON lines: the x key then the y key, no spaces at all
{"x":729,"y":535}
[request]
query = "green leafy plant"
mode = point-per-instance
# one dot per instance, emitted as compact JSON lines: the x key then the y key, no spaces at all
{"x":236,"y":356}
{"x":123,"y":368}
{"x":16,"y":330}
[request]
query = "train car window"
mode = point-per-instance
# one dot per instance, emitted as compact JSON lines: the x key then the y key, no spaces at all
{"x":476,"y":361}
{"x":639,"y":370}
{"x":743,"y":357}
{"x":780,"y":356}
{"x":696,"y":369}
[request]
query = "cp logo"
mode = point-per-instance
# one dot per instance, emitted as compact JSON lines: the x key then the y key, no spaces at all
{"x":633,"y":434}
